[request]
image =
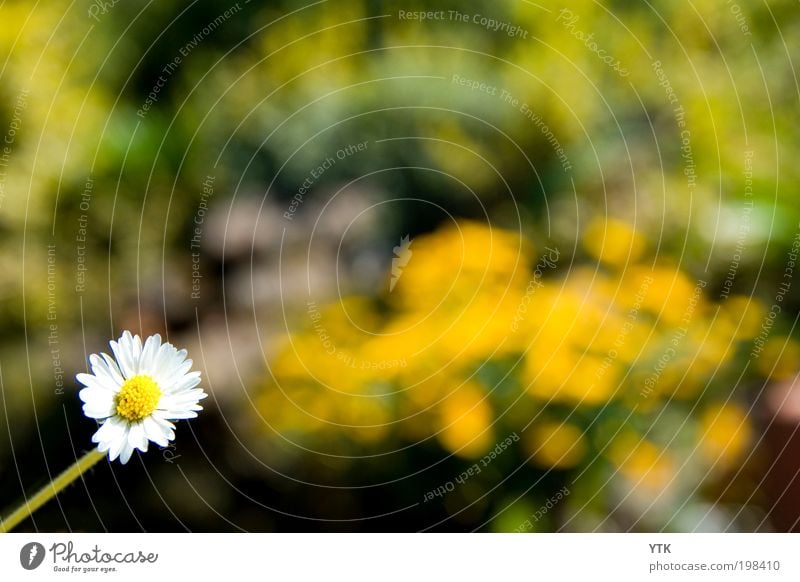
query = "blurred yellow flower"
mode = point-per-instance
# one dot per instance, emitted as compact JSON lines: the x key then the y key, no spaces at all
{"x":570,"y":377}
{"x":643,"y":463}
{"x":669,"y":296}
{"x":745,"y":314}
{"x":465,"y":421}
{"x":779,"y":359}
{"x":454,"y":265}
{"x":724,"y":433}
{"x":556,"y":445}
{"x":613,"y":242}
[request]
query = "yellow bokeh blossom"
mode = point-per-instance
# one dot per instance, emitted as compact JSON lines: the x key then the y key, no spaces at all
{"x":465,"y":420}
{"x":779,"y":358}
{"x":724,"y":433}
{"x":642,"y":462}
{"x":555,"y":444}
{"x":613,"y":242}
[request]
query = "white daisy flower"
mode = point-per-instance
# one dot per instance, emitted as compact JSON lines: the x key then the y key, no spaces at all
{"x":138,"y":395}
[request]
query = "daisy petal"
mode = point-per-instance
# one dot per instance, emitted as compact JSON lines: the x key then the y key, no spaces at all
{"x":113,"y":369}
{"x":124,"y":359}
{"x":125,"y":453}
{"x":176,"y":372}
{"x":156,"y":433}
{"x":118,"y":444}
{"x":112,"y":429}
{"x":99,"y":408}
{"x":187,"y":382}
{"x":137,"y":438}
{"x":181,"y":399}
{"x":96,"y":382}
{"x":158,"y":416}
{"x":162,"y":361}
{"x":106,"y":369}
{"x":180,"y":414}
{"x":149,"y":353}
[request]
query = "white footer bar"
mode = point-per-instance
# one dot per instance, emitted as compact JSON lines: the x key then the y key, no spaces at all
{"x":400,"y":557}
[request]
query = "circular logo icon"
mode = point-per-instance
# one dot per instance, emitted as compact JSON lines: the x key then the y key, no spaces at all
{"x":31,"y":555}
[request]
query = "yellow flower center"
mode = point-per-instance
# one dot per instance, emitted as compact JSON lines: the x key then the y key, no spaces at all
{"x":138,"y":397}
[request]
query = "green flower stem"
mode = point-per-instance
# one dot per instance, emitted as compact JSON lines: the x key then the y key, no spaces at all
{"x":50,"y":490}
